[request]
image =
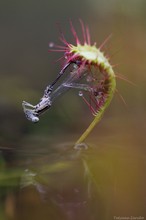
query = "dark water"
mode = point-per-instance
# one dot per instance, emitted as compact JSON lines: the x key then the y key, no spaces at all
{"x":101,"y":181}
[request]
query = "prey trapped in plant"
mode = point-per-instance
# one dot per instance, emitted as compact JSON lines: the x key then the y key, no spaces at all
{"x":91,"y":73}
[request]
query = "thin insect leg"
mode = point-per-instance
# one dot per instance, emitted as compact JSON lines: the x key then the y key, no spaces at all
{"x":60,"y":74}
{"x":24,"y":103}
{"x":48,"y":91}
{"x":64,"y":68}
{"x":30,"y":114}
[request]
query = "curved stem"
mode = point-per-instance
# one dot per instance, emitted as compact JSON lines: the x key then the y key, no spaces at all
{"x":112,"y":86}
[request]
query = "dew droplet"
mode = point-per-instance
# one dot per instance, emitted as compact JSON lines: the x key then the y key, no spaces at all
{"x":51,"y":44}
{"x":80,"y":93}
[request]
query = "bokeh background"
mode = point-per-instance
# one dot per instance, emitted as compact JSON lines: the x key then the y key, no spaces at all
{"x":27,"y":67}
{"x":27,"y":27}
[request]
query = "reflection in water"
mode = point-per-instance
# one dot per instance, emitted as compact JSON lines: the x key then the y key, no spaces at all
{"x":84,"y":183}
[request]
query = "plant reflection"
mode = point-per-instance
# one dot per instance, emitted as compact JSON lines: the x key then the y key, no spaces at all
{"x":84,"y":183}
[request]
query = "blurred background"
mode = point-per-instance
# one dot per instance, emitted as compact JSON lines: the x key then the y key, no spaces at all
{"x":27,"y":28}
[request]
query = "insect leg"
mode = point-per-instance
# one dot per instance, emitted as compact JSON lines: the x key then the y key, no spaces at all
{"x":64,"y":68}
{"x":33,"y":111}
{"x":60,"y":74}
{"x":24,"y":104}
{"x":30,"y":114}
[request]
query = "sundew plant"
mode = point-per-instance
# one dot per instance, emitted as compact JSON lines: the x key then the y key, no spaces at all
{"x":91,"y":74}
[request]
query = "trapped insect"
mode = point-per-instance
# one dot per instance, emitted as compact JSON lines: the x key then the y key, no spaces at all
{"x":92,"y":74}
{"x":33,"y":112}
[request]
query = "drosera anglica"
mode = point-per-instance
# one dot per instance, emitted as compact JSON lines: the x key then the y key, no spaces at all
{"x":100,"y":79}
{"x":89,"y":64}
